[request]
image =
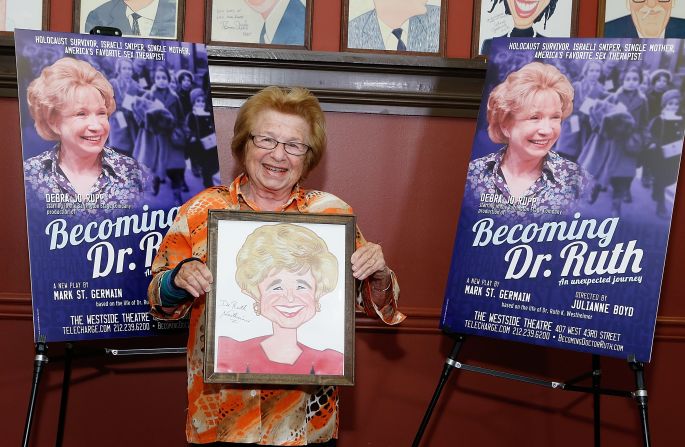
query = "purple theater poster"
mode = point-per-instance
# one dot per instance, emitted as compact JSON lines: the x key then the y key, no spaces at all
{"x":567,"y":209}
{"x":116,"y":134}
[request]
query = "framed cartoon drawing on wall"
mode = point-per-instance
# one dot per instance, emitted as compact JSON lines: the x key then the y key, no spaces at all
{"x":642,"y":18}
{"x":267,"y":23}
{"x":521,"y":18}
{"x":162,"y":19}
{"x":281,"y":310}
{"x":25,"y":14}
{"x":409,"y":26}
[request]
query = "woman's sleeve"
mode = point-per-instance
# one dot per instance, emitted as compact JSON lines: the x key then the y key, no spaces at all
{"x":175,"y":247}
{"x":370,"y":288}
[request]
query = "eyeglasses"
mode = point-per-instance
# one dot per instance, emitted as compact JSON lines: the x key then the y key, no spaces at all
{"x":660,"y":1}
{"x":268,"y":143}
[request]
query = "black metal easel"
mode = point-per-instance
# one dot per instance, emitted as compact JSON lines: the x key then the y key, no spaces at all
{"x":640,"y":395}
{"x":40,"y":360}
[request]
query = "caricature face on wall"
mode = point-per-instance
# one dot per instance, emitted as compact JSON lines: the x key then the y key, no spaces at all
{"x":650,"y":16}
{"x":524,"y":12}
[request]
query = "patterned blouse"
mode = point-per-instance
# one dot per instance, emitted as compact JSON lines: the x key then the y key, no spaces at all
{"x":555,"y":192}
{"x":277,"y":415}
{"x":118,"y":187}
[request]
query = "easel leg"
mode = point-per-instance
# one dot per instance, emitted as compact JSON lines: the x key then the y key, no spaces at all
{"x":40,"y":360}
{"x":640,"y":396}
{"x":596,"y":378}
{"x":446,"y":370}
{"x":68,"y":354}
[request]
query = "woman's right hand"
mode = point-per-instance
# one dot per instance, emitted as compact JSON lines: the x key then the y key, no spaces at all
{"x":194,"y":277}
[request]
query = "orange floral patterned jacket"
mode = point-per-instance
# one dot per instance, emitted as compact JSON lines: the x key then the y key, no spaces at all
{"x":277,"y":415}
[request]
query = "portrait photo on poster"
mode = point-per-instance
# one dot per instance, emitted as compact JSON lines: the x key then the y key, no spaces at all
{"x":279,"y":308}
{"x":518,"y":18}
{"x":411,"y":26}
{"x":525,"y":146}
{"x":161,"y":19}
{"x":267,"y":23}
{"x":640,"y":18}
{"x":26,"y":14}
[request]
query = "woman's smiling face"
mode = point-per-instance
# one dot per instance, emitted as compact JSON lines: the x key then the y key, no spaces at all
{"x":287,"y":298}
{"x":83,"y":125}
{"x":533,"y":131}
{"x":275,"y":171}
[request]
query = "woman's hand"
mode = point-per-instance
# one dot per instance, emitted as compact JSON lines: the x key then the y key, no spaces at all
{"x":194,"y":277}
{"x":368,"y":260}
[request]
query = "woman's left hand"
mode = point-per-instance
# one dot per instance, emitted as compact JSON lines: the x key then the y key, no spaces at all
{"x":368,"y":260}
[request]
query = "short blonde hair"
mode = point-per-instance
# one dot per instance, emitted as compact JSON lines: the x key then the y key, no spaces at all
{"x":295,"y":101}
{"x":520,"y":86}
{"x":272,"y":248}
{"x":57,"y":85}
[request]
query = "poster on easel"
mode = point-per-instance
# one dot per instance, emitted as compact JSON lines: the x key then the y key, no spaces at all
{"x":566,"y":214}
{"x":116,"y":134}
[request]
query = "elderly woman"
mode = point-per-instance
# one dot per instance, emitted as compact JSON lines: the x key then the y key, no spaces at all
{"x":71,"y":103}
{"x":525,"y":113}
{"x":279,"y":137}
{"x":286,"y":269}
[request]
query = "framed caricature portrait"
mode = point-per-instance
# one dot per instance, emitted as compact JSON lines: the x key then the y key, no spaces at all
{"x":640,"y":18}
{"x":408,"y":27}
{"x":161,"y":19}
{"x":259,"y":23}
{"x":281,"y":310}
{"x":518,"y":18}
{"x":25,"y":14}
